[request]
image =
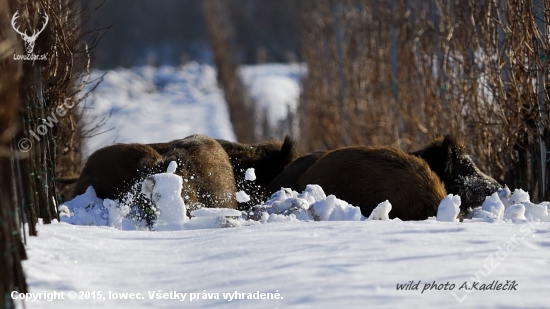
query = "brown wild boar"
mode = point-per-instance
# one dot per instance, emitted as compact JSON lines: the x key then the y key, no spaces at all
{"x":268,"y":160}
{"x":288,"y":178}
{"x":116,"y":170}
{"x":208,"y":179}
{"x":447,"y":157}
{"x":113,"y":170}
{"x":367,"y":176}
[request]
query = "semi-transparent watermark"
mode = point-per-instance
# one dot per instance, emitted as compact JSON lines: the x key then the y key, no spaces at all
{"x":492,"y":261}
{"x":25,"y":144}
{"x":157,"y":295}
{"x":29,"y":39}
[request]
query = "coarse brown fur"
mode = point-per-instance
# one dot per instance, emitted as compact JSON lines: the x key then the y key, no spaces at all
{"x":164,"y":148}
{"x":367,"y":176}
{"x":447,"y":157}
{"x":202,"y":163}
{"x":208,"y":179}
{"x":114,"y":169}
{"x":268,"y":160}
{"x":288,"y":178}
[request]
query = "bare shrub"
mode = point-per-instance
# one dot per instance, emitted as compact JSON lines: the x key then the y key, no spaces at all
{"x":31,"y":93}
{"x":11,"y":211}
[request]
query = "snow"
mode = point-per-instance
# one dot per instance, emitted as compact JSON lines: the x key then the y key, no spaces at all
{"x":381,"y":212}
{"x":494,"y":206}
{"x":515,"y":212}
{"x":215,"y":212}
{"x":516,"y":206}
{"x":275,"y":87}
{"x":334,"y":209}
{"x":165,"y":192}
{"x":311,"y":264}
{"x":305,"y":250}
{"x":519,"y":196}
{"x":242,"y":197}
{"x":210,"y":218}
{"x":150,"y":105}
{"x":250,"y":174}
{"x":88,"y":209}
{"x":449,"y":208}
{"x":172,"y":167}
{"x":311,"y":204}
{"x":536,"y":212}
{"x":531,"y":211}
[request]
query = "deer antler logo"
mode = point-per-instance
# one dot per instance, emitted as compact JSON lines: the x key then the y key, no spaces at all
{"x":29,"y":40}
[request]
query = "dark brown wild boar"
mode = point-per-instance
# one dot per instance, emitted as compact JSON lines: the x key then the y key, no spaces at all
{"x":268,"y":160}
{"x":447,"y":157}
{"x":288,"y":178}
{"x":117,"y":170}
{"x":367,"y":176}
{"x":208,"y":179}
{"x":113,"y":170}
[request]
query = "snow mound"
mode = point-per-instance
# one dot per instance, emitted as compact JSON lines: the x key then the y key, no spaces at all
{"x":172,"y":167}
{"x":507,"y":206}
{"x":311,"y":204}
{"x":164,"y":190}
{"x":515,"y":212}
{"x":285,"y":205}
{"x":519,"y":197}
{"x":381,"y":212}
{"x":494,"y":206}
{"x":449,"y":208}
{"x":88,"y":209}
{"x":504,"y":195}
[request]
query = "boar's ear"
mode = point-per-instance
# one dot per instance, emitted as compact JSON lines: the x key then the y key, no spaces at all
{"x":288,"y":150}
{"x":454,"y":151}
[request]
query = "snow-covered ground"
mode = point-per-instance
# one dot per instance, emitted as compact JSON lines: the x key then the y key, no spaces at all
{"x":149,"y":105}
{"x":310,"y":264}
{"x":292,"y":259}
{"x":275,"y":87}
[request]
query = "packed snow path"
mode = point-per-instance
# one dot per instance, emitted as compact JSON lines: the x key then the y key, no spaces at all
{"x":310,"y":264}
{"x":150,"y":105}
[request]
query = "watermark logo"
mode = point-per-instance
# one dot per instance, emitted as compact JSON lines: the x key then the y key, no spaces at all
{"x":29,"y":40}
{"x":491,"y":264}
{"x":25,"y":144}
